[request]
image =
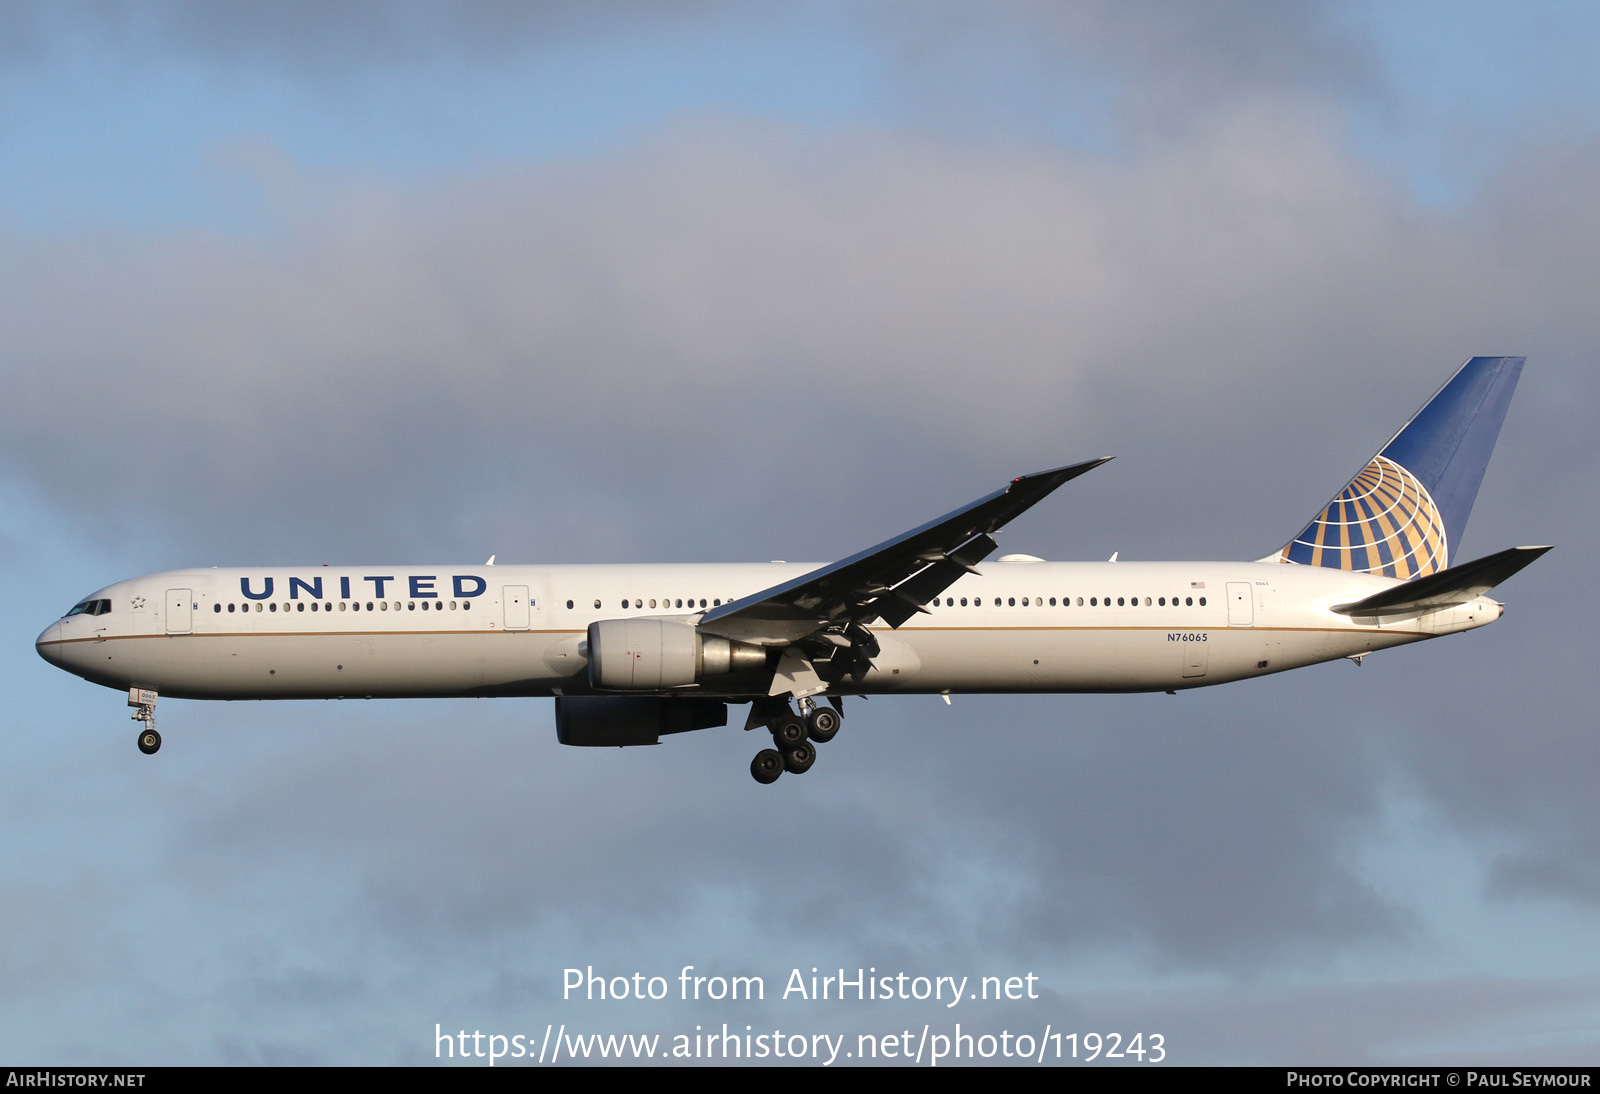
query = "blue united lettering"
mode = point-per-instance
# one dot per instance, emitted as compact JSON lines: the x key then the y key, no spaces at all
{"x":420,"y":586}
{"x":244,"y":587}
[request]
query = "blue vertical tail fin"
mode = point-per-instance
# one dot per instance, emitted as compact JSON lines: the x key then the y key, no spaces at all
{"x":1403,"y":514}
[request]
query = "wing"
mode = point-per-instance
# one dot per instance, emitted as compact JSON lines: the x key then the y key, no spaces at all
{"x":891,"y":581}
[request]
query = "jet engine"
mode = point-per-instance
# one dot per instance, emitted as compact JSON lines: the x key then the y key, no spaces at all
{"x":653,"y":654}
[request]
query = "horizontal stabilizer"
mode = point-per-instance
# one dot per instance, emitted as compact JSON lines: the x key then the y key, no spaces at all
{"x":1447,"y":588}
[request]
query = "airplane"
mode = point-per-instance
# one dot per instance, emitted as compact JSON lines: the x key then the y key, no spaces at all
{"x":632,"y":653}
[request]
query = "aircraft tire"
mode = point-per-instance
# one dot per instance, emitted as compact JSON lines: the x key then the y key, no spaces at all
{"x":767,"y":766}
{"x":788,"y":731}
{"x":823,"y":725}
{"x":149,"y":742}
{"x":799,"y":759}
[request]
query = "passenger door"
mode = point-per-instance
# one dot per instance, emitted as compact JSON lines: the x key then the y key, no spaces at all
{"x":180,"y":617}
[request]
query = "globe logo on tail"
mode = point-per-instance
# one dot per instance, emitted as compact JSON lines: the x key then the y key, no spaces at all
{"x":1385,"y":522}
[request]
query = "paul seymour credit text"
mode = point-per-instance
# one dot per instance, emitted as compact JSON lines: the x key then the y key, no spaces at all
{"x":931,"y":1044}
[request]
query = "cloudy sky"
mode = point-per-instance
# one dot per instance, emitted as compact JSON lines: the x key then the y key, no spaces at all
{"x":303,"y":283}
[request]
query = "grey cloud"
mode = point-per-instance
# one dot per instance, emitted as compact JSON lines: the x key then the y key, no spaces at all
{"x":421,"y":370}
{"x":1399,"y":1022}
{"x":1108,"y":72}
{"x":336,"y":41}
{"x":1199,"y":844}
{"x":743,"y":343}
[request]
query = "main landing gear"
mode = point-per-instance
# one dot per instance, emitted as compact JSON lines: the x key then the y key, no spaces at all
{"x":793,"y":734}
{"x":143,"y":701}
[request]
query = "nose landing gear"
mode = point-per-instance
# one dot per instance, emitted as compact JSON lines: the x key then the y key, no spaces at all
{"x":143,"y":701}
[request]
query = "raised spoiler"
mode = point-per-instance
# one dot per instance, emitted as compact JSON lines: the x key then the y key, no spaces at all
{"x":1447,"y":588}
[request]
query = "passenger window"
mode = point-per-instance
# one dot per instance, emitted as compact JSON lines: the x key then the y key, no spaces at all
{"x":216,"y":607}
{"x":569,"y":605}
{"x":597,"y":603}
{"x":1189,"y":600}
{"x":1202,"y":601}
{"x":652,"y":601}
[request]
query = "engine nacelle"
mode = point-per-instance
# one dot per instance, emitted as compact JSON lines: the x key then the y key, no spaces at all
{"x":607,"y":721}
{"x":654,"y":654}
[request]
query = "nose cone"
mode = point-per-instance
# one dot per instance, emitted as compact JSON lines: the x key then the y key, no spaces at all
{"x":49,"y":644}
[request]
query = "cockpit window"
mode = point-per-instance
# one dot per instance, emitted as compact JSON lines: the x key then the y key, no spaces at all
{"x":90,"y":607}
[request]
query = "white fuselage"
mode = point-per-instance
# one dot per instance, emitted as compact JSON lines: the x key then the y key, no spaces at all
{"x":420,"y":631}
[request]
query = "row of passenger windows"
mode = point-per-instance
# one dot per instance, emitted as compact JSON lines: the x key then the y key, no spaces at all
{"x":100,"y":607}
{"x":353,"y":605}
{"x":1067,"y":602}
{"x":666,"y":602}
{"x":976,"y":602}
